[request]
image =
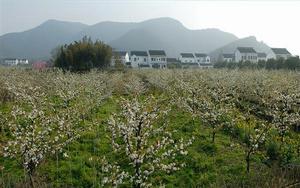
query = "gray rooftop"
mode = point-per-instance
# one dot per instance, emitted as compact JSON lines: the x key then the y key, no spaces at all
{"x":280,"y":51}
{"x":139,"y":53}
{"x":261,"y":55}
{"x":187,"y":55}
{"x":228,"y":56}
{"x":119,"y":53}
{"x":200,"y":55}
{"x":157,"y":53}
{"x":246,"y":50}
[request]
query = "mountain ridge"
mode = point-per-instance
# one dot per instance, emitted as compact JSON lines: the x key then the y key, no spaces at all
{"x":163,"y":33}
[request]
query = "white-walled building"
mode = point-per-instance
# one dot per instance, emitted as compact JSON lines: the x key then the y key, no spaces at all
{"x":261,"y":56}
{"x":278,"y":53}
{"x":14,"y":61}
{"x":121,"y":56}
{"x":202,"y":58}
{"x":187,"y":58}
{"x":227,"y":58}
{"x":139,"y":59}
{"x":245,"y":54}
{"x":158,"y":59}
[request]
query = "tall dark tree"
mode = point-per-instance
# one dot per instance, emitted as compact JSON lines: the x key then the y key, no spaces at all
{"x":83,"y":55}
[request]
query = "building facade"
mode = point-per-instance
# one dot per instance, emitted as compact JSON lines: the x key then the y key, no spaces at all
{"x":14,"y":62}
{"x":138,"y":59}
{"x":245,"y":54}
{"x":278,"y":53}
{"x":261,"y":56}
{"x":121,"y":56}
{"x":158,"y":59}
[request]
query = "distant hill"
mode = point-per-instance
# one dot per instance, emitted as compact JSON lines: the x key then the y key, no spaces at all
{"x":244,"y":42}
{"x":172,"y":36}
{"x":161,"y":33}
{"x":39,"y":41}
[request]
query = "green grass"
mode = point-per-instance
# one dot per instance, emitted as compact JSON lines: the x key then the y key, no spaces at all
{"x":208,"y":164}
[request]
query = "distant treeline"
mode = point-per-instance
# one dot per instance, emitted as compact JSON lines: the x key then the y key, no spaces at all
{"x":82,"y":55}
{"x":292,"y":63}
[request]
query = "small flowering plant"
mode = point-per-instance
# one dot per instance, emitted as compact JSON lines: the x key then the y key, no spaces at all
{"x":137,"y":132}
{"x":254,"y":140}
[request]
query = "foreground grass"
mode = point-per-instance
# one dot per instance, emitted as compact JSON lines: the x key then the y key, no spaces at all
{"x":219,"y":164}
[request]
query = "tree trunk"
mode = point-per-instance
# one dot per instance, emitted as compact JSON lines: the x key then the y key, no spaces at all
{"x":248,"y":162}
{"x":137,"y":178}
{"x":31,"y":181}
{"x":213,"y":136}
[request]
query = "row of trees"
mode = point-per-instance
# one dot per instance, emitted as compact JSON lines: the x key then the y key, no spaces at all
{"x":292,"y":63}
{"x":54,"y":109}
{"x":252,"y":107}
{"x":83,"y":55}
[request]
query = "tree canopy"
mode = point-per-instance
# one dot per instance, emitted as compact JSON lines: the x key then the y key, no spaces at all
{"x":83,"y":55}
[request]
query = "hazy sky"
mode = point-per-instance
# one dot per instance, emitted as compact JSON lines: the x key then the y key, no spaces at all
{"x":274,"y":22}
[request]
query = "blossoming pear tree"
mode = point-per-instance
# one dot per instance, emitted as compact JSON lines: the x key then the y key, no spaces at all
{"x":140,"y":131}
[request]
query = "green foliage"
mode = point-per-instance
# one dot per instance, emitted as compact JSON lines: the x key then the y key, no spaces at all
{"x":218,"y":164}
{"x":292,"y":63}
{"x":272,"y":151}
{"x":83,"y":55}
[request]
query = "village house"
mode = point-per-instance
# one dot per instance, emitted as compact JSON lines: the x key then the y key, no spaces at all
{"x":187,"y":58}
{"x":278,"y":53}
{"x":227,"y":58}
{"x":245,"y":54}
{"x":261,"y":56}
{"x":202,"y":58}
{"x":158,"y":59}
{"x":121,"y":56}
{"x":139,"y":59}
{"x":14,"y":61}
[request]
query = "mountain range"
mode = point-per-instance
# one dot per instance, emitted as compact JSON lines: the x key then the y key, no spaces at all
{"x":160,"y":33}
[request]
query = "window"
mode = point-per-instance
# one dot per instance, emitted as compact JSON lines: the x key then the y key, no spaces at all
{"x":145,"y":59}
{"x":134,"y":59}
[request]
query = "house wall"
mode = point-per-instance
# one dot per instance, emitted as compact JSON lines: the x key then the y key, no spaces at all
{"x":158,"y":61}
{"x":247,"y":56}
{"x":261,"y":59}
{"x":137,"y":60}
{"x":187,"y":59}
{"x":202,"y":59}
{"x":227,"y":59}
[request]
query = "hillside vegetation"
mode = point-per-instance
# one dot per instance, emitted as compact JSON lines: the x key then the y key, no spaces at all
{"x":149,"y":128}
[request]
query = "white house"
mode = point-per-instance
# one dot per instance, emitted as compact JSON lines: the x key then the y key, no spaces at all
{"x":187,"y":58}
{"x":202,"y":58}
{"x":261,"y":56}
{"x":278,"y":53}
{"x":121,"y":56}
{"x":139,"y":59}
{"x":14,"y":61}
{"x":158,"y":59}
{"x":245,"y":54}
{"x":227,"y":58}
